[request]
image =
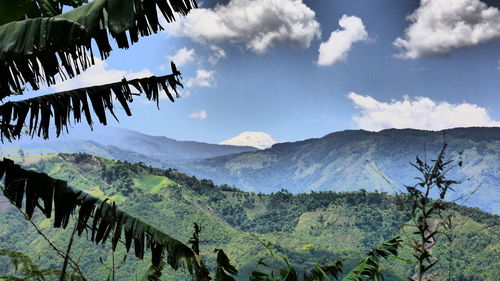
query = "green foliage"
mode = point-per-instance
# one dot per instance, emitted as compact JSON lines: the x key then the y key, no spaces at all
{"x":26,"y":269}
{"x":22,"y":9}
{"x":427,"y":214}
{"x":224,"y":268}
{"x":319,"y":273}
{"x":107,"y":219}
{"x":333,"y":225}
{"x":154,"y":272}
{"x":35,"y":45}
{"x":370,"y":268}
{"x":355,"y":159}
{"x":290,"y":273}
{"x":60,"y":105}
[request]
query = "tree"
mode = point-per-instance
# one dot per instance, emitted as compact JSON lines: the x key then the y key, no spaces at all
{"x":428,"y":215}
{"x":39,"y":42}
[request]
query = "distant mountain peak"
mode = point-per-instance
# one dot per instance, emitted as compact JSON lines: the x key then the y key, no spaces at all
{"x":259,"y":140}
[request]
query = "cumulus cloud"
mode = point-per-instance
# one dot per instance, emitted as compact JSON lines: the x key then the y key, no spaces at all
{"x":439,"y":26}
{"x":200,"y":115}
{"x":338,"y":45}
{"x":204,"y":78}
{"x":99,"y":74}
{"x":218,"y":54}
{"x":259,"y":24}
{"x":183,"y":57}
{"x":419,"y":113}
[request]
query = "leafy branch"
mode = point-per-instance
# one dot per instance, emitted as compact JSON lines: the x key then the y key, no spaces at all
{"x":108,"y":221}
{"x":428,"y":215}
{"x":59,"y":106}
{"x":36,"y":49}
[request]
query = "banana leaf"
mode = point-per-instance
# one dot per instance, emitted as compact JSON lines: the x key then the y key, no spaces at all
{"x":34,"y":51}
{"x":370,"y":268}
{"x":23,"y":9}
{"x":108,"y":221}
{"x":59,"y":106}
{"x":224,"y":268}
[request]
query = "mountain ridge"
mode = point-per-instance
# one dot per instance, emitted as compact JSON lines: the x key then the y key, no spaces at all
{"x":343,"y":161}
{"x":318,"y":227}
{"x":358,"y":159}
{"x":159,"y":149}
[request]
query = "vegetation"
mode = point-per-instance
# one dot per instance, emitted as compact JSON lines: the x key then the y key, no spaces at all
{"x":308,"y":229}
{"x":33,"y":50}
{"x":356,"y":159}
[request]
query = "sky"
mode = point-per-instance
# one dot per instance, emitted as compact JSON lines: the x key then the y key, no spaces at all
{"x":299,"y":69}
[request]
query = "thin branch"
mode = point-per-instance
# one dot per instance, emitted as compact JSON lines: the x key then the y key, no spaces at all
{"x":72,"y":263}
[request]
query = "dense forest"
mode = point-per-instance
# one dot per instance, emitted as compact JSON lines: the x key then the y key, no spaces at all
{"x":309,"y":228}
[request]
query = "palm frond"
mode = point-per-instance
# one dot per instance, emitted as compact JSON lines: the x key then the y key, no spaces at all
{"x":59,"y":106}
{"x":370,"y":267}
{"x":38,"y":189}
{"x":321,"y":272}
{"x":154,"y":272}
{"x":25,"y":9}
{"x":34,"y":51}
{"x":224,"y":268}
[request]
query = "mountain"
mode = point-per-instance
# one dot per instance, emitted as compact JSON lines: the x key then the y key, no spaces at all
{"x":122,"y":144}
{"x":341,"y":161}
{"x":259,"y":140}
{"x":356,"y":159}
{"x":318,"y":227}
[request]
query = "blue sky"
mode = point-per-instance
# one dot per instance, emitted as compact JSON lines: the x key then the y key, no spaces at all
{"x":256,"y":66}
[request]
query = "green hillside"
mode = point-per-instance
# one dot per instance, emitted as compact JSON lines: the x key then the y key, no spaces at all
{"x":341,"y":161}
{"x":308,"y":228}
{"x":357,"y":159}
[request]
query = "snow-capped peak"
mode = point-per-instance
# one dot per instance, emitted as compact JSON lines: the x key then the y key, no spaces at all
{"x":258,"y":140}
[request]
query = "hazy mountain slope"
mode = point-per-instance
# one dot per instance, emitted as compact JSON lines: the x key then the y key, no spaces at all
{"x":308,"y":228}
{"x":351,"y":160}
{"x":122,"y":144}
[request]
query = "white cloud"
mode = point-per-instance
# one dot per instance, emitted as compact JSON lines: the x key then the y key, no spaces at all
{"x":340,"y":41}
{"x":204,"y":78}
{"x":419,"y":113}
{"x":200,"y":115}
{"x":183,"y":57}
{"x":439,"y":26}
{"x":99,"y":74}
{"x":218,"y":53}
{"x":259,"y":24}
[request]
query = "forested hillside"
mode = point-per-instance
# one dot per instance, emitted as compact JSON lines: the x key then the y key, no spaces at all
{"x":341,"y":161}
{"x":357,"y":159}
{"x":308,"y":228}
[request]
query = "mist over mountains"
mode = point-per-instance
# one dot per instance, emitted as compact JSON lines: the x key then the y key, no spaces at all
{"x":123,"y":144}
{"x":357,"y":159}
{"x":340,"y":161}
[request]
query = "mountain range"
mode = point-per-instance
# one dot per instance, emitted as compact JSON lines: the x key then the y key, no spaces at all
{"x":319,"y":227}
{"x":356,"y":159}
{"x":122,"y":144}
{"x":341,"y":161}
